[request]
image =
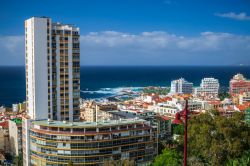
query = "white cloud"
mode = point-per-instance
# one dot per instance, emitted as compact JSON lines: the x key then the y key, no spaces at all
{"x":146,"y":48}
{"x":159,"y":47}
{"x":11,"y":43}
{"x":241,"y":16}
{"x":12,"y":50}
{"x":159,"y":40}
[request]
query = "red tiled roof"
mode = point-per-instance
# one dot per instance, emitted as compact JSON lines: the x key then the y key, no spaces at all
{"x":165,"y":117}
{"x":4,"y":124}
{"x":243,"y":107}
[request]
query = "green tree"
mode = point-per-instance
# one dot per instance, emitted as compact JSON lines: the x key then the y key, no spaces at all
{"x":123,"y":162}
{"x":213,"y":138}
{"x":168,"y":158}
{"x":244,"y":160}
{"x":178,"y":129}
{"x":224,"y":95}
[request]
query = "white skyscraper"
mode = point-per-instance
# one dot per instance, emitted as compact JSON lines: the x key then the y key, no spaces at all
{"x":210,"y":87}
{"x":181,"y":86}
{"x":52,"y":74}
{"x":52,"y":70}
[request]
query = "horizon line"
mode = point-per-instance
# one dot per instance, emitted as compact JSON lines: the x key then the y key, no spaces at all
{"x":146,"y":65}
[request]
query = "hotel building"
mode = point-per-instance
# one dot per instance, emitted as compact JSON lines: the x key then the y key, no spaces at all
{"x":209,"y":87}
{"x":91,"y":143}
{"x":181,"y":86}
{"x":52,"y":70}
{"x":239,"y":84}
{"x":244,"y":97}
{"x":52,"y":58}
{"x":52,"y":132}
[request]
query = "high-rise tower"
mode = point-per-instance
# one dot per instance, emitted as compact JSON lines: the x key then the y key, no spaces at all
{"x":51,"y":133}
{"x":52,"y":58}
{"x":52,"y":70}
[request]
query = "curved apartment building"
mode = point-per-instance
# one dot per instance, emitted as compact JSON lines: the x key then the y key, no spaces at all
{"x":56,"y":143}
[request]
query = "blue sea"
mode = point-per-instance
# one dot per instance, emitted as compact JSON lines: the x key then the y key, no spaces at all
{"x":99,"y":82}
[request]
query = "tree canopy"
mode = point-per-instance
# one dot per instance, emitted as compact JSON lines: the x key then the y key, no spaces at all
{"x":168,"y":158}
{"x":244,"y":160}
{"x":214,"y":139}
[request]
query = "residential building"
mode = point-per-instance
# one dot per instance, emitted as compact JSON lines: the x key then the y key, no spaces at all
{"x":244,"y":97}
{"x":2,"y":109}
{"x":165,"y":109}
{"x":209,"y":87}
{"x":239,"y":84}
{"x":52,"y":52}
{"x":15,"y":136}
{"x":4,"y":137}
{"x":52,"y":69}
{"x":164,"y":125}
{"x":15,"y":107}
{"x":19,"y":107}
{"x":93,"y":111}
{"x":91,"y":143}
{"x":181,"y":86}
{"x":193,"y":104}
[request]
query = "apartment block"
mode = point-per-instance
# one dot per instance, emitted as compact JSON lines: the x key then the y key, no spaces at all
{"x":181,"y":86}
{"x":209,"y":88}
{"x":52,"y":69}
{"x":56,"y":143}
{"x":239,"y":84}
{"x":52,"y":58}
{"x":15,"y":136}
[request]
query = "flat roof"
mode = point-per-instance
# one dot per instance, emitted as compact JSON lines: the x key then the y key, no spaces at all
{"x":87,"y":124}
{"x":126,"y":114}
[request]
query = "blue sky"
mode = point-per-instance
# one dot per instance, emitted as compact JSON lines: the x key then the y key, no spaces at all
{"x":139,"y":32}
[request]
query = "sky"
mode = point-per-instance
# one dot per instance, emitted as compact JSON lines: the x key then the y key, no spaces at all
{"x":138,"y":32}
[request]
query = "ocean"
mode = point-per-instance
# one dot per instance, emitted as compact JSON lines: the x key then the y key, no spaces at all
{"x":99,"y":82}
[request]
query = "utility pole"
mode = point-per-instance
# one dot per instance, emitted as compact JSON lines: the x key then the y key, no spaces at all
{"x":185,"y":115}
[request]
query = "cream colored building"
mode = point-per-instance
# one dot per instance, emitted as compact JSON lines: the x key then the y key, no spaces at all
{"x":95,"y":112}
{"x":55,"y":143}
{"x":15,"y":136}
{"x":245,"y":97}
{"x":4,"y":140}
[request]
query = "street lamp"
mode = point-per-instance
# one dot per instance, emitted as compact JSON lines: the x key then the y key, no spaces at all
{"x":178,"y":120}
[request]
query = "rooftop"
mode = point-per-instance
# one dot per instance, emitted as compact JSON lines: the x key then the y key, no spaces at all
{"x":123,"y":113}
{"x":87,"y":124}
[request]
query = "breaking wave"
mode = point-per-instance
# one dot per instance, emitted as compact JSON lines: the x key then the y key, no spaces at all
{"x":113,"y":91}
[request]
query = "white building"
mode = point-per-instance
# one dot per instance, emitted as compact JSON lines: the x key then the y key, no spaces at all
{"x":170,"y":108}
{"x":15,"y":107}
{"x":15,"y":136}
{"x":2,"y":109}
{"x":52,"y":74}
{"x":181,"y":86}
{"x":52,"y":70}
{"x":209,"y":87}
